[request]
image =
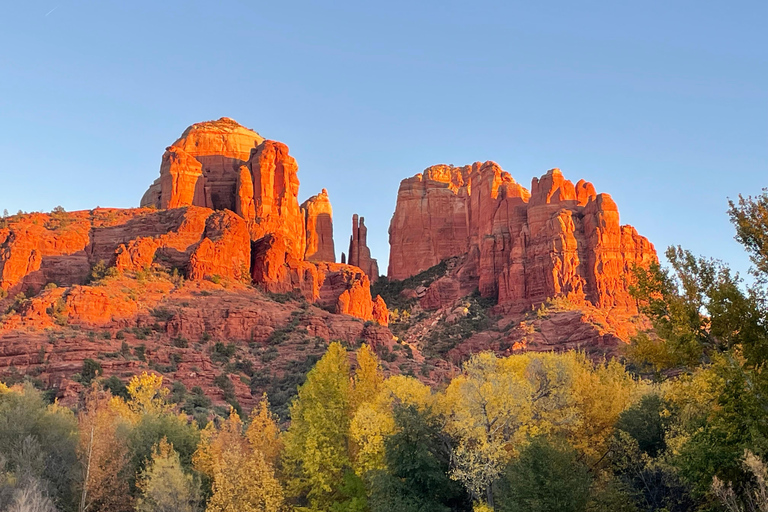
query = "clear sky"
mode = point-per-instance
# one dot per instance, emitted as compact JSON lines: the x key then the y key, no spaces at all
{"x":663,"y":104}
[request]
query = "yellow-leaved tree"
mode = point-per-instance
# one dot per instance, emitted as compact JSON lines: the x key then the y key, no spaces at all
{"x":241,"y":463}
{"x":164,"y":486}
{"x":103,"y":453}
{"x":486,"y":408}
{"x":316,"y":455}
{"x":495,"y":405}
{"x":374,"y":421}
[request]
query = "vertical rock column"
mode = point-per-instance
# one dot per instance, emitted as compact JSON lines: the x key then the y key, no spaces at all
{"x":359,"y":253}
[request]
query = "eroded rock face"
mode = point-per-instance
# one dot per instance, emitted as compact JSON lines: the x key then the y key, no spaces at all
{"x":359,"y":253}
{"x":523,"y":247}
{"x":276,"y":196}
{"x":39,"y":249}
{"x":213,"y":151}
{"x":318,"y":219}
{"x":224,"y":166}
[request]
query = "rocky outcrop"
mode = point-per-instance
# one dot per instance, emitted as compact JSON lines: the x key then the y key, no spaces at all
{"x":39,"y":249}
{"x":347,"y":289}
{"x":224,"y":166}
{"x":522,"y":247}
{"x":276,"y":192}
{"x":318,"y":219}
{"x":359,"y":253}
{"x":202,"y":167}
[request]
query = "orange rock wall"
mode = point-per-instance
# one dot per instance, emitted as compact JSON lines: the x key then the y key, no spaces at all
{"x":318,"y":219}
{"x":222,"y":165}
{"x":35,"y":250}
{"x":524,"y":247}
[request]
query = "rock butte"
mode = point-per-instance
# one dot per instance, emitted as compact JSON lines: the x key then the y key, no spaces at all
{"x":224,"y":214}
{"x":224,"y":166}
{"x":522,"y":247}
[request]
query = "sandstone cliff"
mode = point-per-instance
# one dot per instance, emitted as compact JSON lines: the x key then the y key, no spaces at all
{"x":318,"y":219}
{"x":224,"y":166}
{"x":520,"y":247}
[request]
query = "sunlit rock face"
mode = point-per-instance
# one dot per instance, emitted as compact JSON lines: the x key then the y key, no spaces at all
{"x":227,"y":167}
{"x":318,"y":219}
{"x":202,"y":167}
{"x":558,"y":239}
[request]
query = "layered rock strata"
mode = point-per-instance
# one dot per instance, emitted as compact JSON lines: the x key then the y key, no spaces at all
{"x":524,"y":247}
{"x":39,"y":249}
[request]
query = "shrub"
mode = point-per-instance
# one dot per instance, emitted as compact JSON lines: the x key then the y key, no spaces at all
{"x":180,"y":342}
{"x":91,"y":369}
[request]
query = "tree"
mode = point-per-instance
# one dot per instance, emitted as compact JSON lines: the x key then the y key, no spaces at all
{"x":103,"y":454}
{"x":369,"y":379}
{"x":645,"y":424}
{"x":417,"y":464}
{"x":486,"y":408}
{"x":546,"y":477}
{"x":240,"y":464}
{"x":164,"y":485}
{"x":31,"y":497}
{"x":38,"y":444}
{"x":316,"y":455}
{"x":750,"y":217}
{"x":374,"y":420}
{"x":755,"y":496}
{"x":147,"y":395}
{"x":697,"y":309}
{"x":150,"y":430}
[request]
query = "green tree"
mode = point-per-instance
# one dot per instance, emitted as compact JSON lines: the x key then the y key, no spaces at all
{"x":546,"y":477}
{"x":645,"y":424}
{"x":418,"y":462}
{"x":38,"y":444}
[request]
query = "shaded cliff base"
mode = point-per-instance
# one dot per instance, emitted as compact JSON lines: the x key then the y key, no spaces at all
{"x":444,"y":320}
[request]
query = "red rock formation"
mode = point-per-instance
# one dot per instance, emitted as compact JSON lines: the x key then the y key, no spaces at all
{"x":39,"y":249}
{"x":276,"y":192}
{"x":224,"y":251}
{"x":181,"y":180}
{"x":220,"y":148}
{"x":359,"y":253}
{"x":347,"y":289}
{"x":277,"y":270}
{"x":222,"y":165}
{"x":318,"y":219}
{"x":430,"y":223}
{"x":557,"y":240}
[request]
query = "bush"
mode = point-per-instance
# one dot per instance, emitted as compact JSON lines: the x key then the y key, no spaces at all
{"x":162,"y":314}
{"x":223,"y":353}
{"x":91,"y":370}
{"x":115,"y":386}
{"x":224,"y":383}
{"x":180,"y":342}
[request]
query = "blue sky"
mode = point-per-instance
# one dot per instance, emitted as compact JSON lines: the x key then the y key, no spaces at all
{"x":662,"y":104}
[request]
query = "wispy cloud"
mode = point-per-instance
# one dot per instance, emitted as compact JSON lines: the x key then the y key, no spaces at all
{"x":49,"y":12}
